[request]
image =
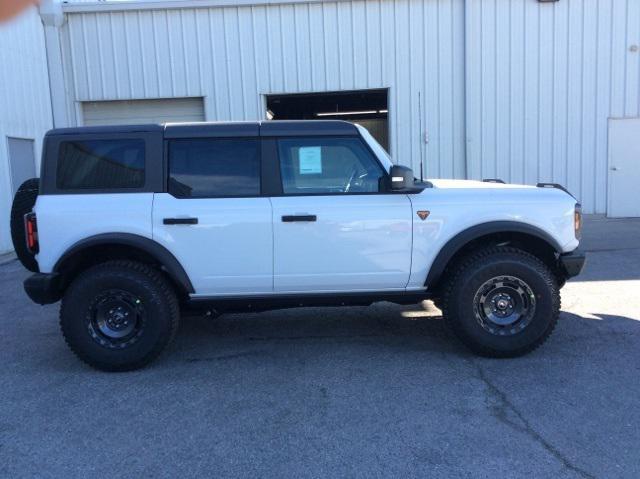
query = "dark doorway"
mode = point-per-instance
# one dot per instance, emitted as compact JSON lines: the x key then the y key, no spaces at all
{"x":368,"y":108}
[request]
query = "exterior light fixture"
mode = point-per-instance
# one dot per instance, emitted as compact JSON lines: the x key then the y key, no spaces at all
{"x":344,"y":113}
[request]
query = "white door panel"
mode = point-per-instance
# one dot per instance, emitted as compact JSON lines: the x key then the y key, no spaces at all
{"x":624,"y":168}
{"x":356,"y":243}
{"x":64,"y":220}
{"x":229,"y":251}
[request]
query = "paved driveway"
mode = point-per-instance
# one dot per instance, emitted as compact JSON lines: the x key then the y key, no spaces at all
{"x":382,"y":391}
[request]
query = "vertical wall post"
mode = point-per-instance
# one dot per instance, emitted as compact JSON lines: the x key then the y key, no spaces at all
{"x":53,"y":18}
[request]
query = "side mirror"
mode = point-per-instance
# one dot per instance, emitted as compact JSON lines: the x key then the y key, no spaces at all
{"x":402,"y":178}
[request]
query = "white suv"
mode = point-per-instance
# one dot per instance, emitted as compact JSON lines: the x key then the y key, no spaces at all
{"x":130,"y":224}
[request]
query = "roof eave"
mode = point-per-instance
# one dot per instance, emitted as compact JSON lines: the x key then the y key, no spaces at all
{"x":108,"y":6}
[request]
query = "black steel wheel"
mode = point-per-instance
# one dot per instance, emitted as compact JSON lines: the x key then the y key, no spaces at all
{"x":504,"y":305}
{"x":116,"y":320}
{"x":119,"y":316}
{"x":501,"y":301}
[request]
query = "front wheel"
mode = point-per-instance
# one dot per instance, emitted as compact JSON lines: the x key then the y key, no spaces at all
{"x":119,"y":316}
{"x":501,"y":302}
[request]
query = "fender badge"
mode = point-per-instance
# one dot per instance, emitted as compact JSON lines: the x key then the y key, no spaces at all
{"x":423,"y":214}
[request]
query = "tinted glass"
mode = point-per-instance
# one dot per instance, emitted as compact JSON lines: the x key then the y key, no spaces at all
{"x":101,"y":164}
{"x":328,"y":165}
{"x":201,"y":168}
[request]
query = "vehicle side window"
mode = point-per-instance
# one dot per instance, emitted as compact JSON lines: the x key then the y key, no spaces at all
{"x":204,"y":168}
{"x":101,"y":164}
{"x":317,"y":166}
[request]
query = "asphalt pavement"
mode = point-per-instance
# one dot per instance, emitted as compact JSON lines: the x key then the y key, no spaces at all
{"x":379,"y":391}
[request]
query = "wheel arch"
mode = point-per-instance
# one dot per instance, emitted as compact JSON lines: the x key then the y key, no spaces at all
{"x":528,"y":237}
{"x":109,"y":246}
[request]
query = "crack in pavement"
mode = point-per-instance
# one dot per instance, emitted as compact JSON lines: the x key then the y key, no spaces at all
{"x":525,"y":427}
{"x":224,"y":357}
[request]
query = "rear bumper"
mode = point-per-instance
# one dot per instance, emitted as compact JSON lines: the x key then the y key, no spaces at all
{"x":573,"y":263}
{"x":43,"y":288}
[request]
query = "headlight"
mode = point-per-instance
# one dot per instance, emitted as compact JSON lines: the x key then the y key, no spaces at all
{"x":577,"y":220}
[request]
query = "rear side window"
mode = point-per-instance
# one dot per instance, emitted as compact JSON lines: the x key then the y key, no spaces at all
{"x":101,"y":164}
{"x":205,"y":168}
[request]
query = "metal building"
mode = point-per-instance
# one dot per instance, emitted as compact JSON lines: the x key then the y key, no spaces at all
{"x":524,"y":90}
{"x":25,"y":108}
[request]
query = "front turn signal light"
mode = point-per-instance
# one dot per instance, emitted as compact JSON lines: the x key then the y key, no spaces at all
{"x":577,"y":220}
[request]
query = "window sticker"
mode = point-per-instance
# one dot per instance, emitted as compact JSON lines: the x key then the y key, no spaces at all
{"x":310,"y":160}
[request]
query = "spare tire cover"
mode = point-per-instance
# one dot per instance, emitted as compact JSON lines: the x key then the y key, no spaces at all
{"x":23,"y":203}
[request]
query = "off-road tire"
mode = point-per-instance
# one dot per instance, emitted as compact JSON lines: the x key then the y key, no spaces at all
{"x":23,"y":202}
{"x":156,"y":298}
{"x":471,"y":273}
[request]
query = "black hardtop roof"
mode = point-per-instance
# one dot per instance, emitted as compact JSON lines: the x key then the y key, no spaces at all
{"x":90,"y":130}
{"x":223,"y":129}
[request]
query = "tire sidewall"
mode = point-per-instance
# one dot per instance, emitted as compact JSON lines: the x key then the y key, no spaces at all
{"x":462,"y":304}
{"x":23,"y":203}
{"x":76,"y":313}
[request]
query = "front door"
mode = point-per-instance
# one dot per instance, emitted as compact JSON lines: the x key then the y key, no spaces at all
{"x":213,"y":219}
{"x":334,"y":229}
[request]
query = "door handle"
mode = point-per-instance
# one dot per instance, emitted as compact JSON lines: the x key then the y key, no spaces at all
{"x":292,"y":218}
{"x":180,"y":221}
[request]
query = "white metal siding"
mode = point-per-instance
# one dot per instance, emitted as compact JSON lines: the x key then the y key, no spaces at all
{"x":122,"y":112}
{"x":232,"y":56}
{"x":542,"y":80}
{"x":515,"y":89}
{"x":25,"y":108}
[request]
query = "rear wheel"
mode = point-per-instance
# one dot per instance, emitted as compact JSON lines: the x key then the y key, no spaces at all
{"x":119,"y":316}
{"x":501,"y":302}
{"x":23,"y":202}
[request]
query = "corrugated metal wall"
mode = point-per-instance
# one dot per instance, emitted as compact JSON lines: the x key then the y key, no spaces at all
{"x":25,"y":107}
{"x":233,"y":56}
{"x":542,"y":80}
{"x":514,"y":89}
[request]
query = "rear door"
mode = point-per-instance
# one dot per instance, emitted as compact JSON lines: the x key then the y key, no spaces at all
{"x":335,"y":228}
{"x":213,"y":218}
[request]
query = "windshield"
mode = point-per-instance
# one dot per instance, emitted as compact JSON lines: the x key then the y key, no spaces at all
{"x":380,"y":152}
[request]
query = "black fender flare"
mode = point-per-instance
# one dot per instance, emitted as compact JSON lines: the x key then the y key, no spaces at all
{"x":161,"y":254}
{"x":456,"y":243}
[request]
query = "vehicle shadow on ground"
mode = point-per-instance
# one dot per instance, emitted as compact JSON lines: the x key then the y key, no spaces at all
{"x":408,"y":328}
{"x":383,"y":323}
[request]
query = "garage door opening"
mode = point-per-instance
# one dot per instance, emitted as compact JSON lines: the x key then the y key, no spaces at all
{"x":138,"y":112}
{"x":368,"y":108}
